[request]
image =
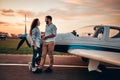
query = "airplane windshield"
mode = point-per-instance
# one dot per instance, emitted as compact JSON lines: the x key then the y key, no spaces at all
{"x":87,"y":31}
{"x":98,"y":31}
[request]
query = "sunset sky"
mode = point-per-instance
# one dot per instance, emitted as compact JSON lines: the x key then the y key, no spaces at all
{"x":67,"y":14}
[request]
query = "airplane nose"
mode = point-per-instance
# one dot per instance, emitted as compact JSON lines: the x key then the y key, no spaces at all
{"x":23,"y":36}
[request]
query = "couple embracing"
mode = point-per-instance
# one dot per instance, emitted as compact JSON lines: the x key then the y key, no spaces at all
{"x":39,"y":53}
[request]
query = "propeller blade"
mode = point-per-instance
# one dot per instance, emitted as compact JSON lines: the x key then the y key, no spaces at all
{"x":20,"y":44}
{"x":28,"y":43}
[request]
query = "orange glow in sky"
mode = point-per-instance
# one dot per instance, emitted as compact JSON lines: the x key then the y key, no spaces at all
{"x":67,"y":14}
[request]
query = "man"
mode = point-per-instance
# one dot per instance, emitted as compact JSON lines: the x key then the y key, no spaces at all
{"x":48,"y":44}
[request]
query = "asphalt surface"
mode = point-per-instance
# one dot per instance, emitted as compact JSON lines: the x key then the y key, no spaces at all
{"x":66,"y":68}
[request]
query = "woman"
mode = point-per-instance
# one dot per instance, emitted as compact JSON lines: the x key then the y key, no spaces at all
{"x":36,"y":39}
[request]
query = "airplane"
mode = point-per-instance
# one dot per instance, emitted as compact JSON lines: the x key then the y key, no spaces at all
{"x":23,"y":38}
{"x":98,"y":43}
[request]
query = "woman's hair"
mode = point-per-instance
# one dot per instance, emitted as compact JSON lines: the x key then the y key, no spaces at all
{"x":33,"y":25}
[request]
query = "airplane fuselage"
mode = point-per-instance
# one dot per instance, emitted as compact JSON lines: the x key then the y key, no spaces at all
{"x":65,"y":42}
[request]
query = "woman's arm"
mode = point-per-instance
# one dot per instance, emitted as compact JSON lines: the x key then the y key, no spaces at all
{"x":34,"y":38}
{"x":34,"y":43}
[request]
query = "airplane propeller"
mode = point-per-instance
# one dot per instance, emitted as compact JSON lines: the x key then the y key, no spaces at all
{"x":23,"y":39}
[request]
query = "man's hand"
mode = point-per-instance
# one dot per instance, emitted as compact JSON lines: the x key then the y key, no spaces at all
{"x":50,"y":36}
{"x":44,"y":37}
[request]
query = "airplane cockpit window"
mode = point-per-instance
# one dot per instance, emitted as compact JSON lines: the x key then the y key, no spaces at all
{"x":86,"y":31}
{"x":98,"y":32}
{"x":114,"y":32}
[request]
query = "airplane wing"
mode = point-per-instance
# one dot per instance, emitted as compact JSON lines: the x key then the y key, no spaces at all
{"x":102,"y":56}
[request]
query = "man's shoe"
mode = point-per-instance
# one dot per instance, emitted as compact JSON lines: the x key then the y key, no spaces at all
{"x":48,"y":70}
{"x":37,"y":71}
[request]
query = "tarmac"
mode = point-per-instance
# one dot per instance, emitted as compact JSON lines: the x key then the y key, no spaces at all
{"x":66,"y":67}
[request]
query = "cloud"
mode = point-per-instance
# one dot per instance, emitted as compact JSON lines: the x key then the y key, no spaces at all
{"x":104,"y":4}
{"x":74,"y":9}
{"x":7,"y":12}
{"x":109,"y":7}
{"x":11,"y":24}
{"x":69,"y":15}
{"x":20,"y":24}
{"x":28,"y":13}
{"x":87,"y":8}
{"x":74,"y":1}
{"x":5,"y":23}
{"x":113,"y":20}
{"x":107,"y":4}
{"x":11,"y":13}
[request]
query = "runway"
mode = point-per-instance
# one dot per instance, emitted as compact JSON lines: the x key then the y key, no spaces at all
{"x":66,"y":67}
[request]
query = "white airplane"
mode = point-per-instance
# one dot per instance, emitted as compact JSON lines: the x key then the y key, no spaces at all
{"x":101,"y":44}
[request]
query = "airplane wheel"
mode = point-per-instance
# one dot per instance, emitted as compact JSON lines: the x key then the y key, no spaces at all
{"x":85,"y":59}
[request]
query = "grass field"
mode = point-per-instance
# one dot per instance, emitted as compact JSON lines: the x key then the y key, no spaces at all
{"x":9,"y":47}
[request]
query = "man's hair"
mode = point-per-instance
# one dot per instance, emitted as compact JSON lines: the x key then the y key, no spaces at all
{"x":49,"y":17}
